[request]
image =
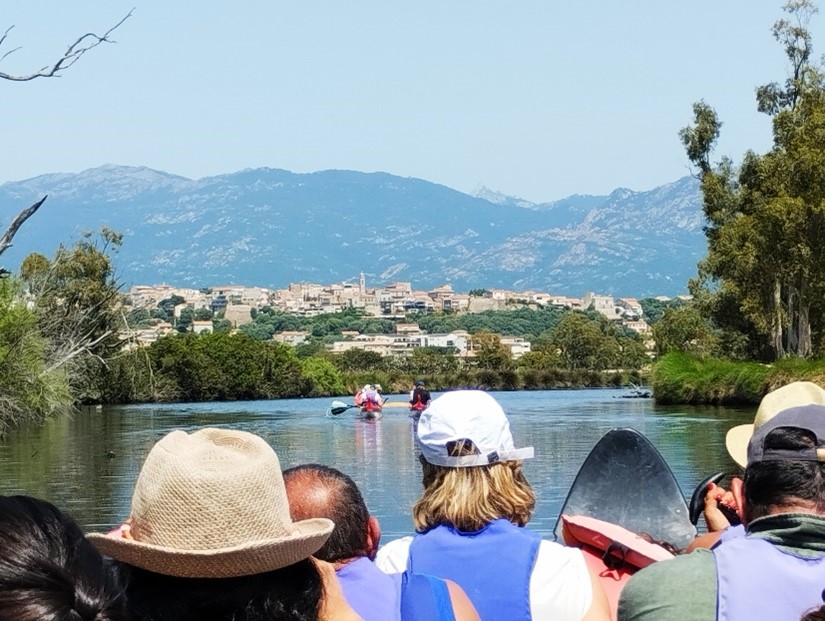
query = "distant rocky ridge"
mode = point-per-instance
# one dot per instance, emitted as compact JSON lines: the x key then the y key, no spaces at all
{"x":269,"y":227}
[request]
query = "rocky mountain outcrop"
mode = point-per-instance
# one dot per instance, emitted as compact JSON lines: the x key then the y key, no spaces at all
{"x":270,"y":227}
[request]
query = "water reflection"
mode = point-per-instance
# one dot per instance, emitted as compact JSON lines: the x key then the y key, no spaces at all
{"x":88,"y":463}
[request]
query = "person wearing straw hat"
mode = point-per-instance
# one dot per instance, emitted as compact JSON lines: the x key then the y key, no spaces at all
{"x":315,"y":490}
{"x":209,"y":536}
{"x":776,"y":569}
{"x":470,"y":520}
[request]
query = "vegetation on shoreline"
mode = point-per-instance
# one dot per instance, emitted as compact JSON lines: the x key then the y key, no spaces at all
{"x":235,"y":366}
{"x":683,"y":378}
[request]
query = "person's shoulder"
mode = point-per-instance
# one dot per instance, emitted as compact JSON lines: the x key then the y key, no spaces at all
{"x":554,"y":559}
{"x":683,"y":587}
{"x":392,"y":557}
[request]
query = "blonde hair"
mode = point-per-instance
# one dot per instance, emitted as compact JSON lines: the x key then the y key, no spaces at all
{"x":470,"y":498}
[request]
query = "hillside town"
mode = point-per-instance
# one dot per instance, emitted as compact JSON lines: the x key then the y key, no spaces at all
{"x":239,"y":304}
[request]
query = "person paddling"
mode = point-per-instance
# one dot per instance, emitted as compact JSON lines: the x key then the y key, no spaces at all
{"x":775,"y":568}
{"x":419,"y":397}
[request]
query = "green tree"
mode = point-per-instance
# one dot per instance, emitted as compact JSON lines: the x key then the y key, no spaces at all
{"x":184,"y":323}
{"x":581,"y":344}
{"x":764,"y":276}
{"x":77,"y":303}
{"x":490,"y":354}
{"x":324,"y":377}
{"x":167,"y":307}
{"x":683,"y":329}
{"x":653,"y":309}
{"x":632,"y":354}
{"x":431,"y":361}
{"x":221,"y":326}
{"x":358,"y":360}
{"x":30,"y":391}
{"x":138,"y":318}
{"x":203,"y":314}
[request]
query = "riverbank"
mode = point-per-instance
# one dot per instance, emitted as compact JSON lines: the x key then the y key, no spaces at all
{"x":679,"y":378}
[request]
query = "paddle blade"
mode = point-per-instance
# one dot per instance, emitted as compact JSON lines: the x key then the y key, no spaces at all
{"x":338,"y":407}
{"x":626,"y":481}
{"x":697,"y":500}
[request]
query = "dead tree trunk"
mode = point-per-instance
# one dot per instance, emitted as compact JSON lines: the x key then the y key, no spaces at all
{"x":5,"y":241}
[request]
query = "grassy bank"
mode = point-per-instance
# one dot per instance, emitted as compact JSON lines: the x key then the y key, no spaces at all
{"x":681,"y":378}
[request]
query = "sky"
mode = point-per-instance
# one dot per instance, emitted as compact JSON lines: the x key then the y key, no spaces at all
{"x":538,"y":99}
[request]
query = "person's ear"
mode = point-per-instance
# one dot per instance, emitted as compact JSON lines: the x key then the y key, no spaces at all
{"x":373,"y":537}
{"x":737,"y":488}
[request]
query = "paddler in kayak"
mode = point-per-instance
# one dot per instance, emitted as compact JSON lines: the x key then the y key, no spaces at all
{"x":419,"y":398}
{"x":370,"y":398}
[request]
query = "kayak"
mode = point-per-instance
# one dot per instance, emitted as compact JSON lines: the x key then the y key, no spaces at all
{"x":371,"y":410}
{"x":623,"y":502}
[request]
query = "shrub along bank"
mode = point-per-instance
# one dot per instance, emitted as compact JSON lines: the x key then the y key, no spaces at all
{"x":682,"y":378}
{"x":226,"y":367}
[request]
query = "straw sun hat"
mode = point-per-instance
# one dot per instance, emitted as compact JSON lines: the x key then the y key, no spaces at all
{"x":792,"y":395}
{"x":212,"y":504}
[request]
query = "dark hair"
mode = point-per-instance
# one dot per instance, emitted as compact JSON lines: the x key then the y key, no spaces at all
{"x":48,"y":570}
{"x":816,"y":614}
{"x":343,"y":504}
{"x":783,"y":483}
{"x":289,"y":594}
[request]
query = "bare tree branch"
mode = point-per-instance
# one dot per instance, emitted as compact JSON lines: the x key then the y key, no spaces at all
{"x":5,"y":241}
{"x":75,"y":349}
{"x":73,"y":53}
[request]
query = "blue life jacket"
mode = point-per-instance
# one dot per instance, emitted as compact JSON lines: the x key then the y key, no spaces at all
{"x":759,"y":580}
{"x":425,"y":598}
{"x":377,"y":596}
{"x":374,"y":595}
{"x":492,"y":565}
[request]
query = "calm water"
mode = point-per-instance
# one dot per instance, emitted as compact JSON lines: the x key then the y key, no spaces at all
{"x":68,"y":461}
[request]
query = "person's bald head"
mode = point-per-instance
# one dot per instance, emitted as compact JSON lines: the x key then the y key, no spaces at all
{"x":316,"y":491}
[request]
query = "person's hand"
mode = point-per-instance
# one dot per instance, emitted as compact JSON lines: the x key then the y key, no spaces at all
{"x":334,"y":606}
{"x":715,"y":498}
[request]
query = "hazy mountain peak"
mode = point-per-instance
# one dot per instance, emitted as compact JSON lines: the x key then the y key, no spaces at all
{"x":497,"y":198}
{"x":270,"y":227}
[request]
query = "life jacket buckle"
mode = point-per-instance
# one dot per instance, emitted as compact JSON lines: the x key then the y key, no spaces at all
{"x":614,"y":556}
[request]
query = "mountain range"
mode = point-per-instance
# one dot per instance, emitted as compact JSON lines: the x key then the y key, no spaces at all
{"x":270,"y":227}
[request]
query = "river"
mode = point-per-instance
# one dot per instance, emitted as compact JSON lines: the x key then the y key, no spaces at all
{"x":87,"y":464}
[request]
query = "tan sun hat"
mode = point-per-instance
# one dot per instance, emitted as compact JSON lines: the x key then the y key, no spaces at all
{"x":789,"y":396}
{"x":212,"y":504}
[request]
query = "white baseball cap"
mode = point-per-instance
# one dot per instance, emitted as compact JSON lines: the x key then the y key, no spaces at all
{"x":467,"y":415}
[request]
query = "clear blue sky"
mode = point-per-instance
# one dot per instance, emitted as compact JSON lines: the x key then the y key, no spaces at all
{"x":537,"y":99}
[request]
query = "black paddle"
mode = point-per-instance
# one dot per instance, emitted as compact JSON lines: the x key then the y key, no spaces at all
{"x":697,"y":500}
{"x":339,"y":407}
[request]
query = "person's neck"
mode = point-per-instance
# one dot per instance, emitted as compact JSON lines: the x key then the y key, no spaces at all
{"x":340,"y":564}
{"x":805,"y":507}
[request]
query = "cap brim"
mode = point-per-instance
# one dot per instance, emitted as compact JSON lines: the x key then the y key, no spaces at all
{"x":736,"y":441}
{"x":254,"y":557}
{"x":469,"y":461}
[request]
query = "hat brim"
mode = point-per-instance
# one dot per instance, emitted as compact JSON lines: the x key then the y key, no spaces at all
{"x":253,"y":557}
{"x":736,"y":441}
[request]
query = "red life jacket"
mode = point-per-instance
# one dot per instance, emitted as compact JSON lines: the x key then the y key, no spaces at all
{"x":612,"y":552}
